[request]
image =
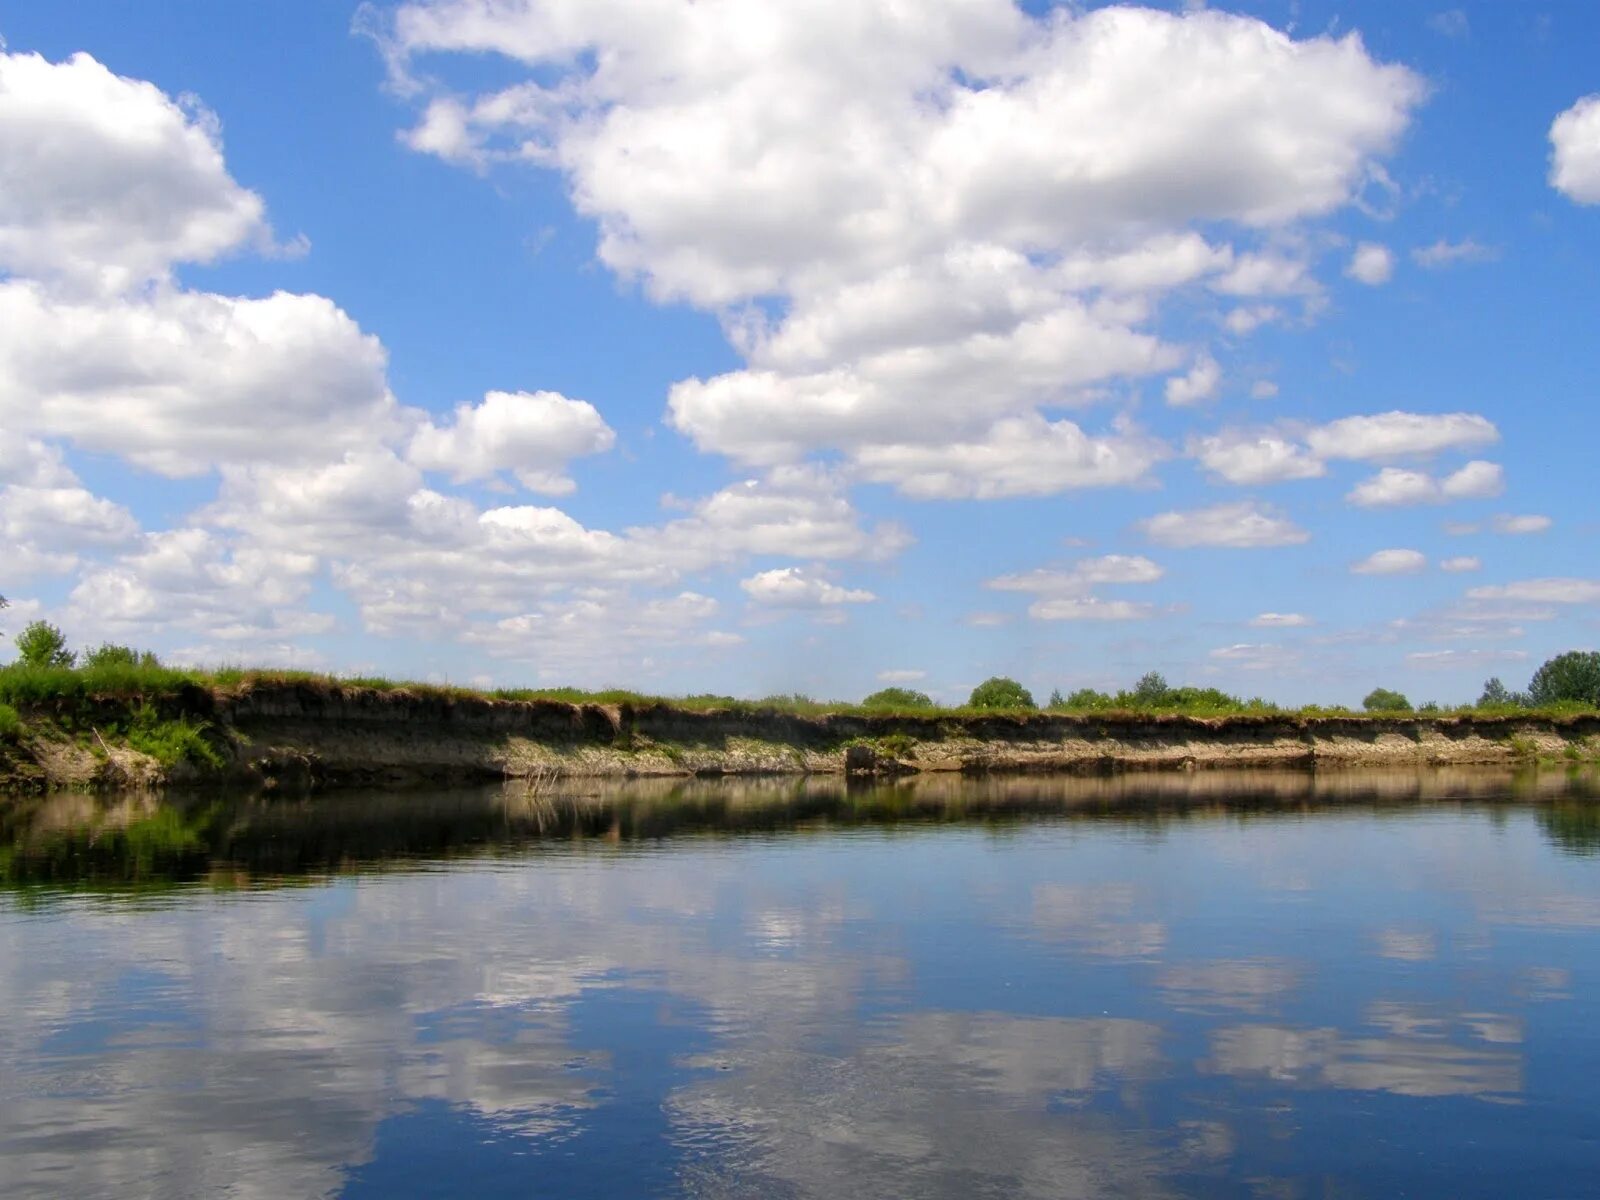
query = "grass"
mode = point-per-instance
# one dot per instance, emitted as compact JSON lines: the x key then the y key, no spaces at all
{"x":10,"y":721}
{"x":23,"y":687}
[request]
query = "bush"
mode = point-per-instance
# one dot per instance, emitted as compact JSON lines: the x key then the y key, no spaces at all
{"x":1572,"y":677}
{"x":1088,"y":698}
{"x":110,"y":655}
{"x":898,"y":697}
{"x":1000,"y":692}
{"x":41,"y":644}
{"x":1382,"y":700}
{"x":171,"y":742}
{"x":10,"y":722}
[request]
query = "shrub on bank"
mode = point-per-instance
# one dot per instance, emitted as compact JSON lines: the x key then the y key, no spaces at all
{"x":1382,"y":700}
{"x":898,"y":698}
{"x":1000,"y":692}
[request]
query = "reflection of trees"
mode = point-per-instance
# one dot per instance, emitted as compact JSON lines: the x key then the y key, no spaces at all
{"x":1573,"y":826}
{"x":153,"y":847}
{"x":146,"y":842}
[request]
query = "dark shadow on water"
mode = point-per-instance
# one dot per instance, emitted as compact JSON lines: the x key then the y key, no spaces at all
{"x":147,"y":844}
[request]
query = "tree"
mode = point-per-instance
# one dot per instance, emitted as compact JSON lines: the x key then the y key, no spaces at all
{"x":1000,"y":692}
{"x":898,"y":697}
{"x":41,"y":644}
{"x":1151,"y":689}
{"x":1057,"y":700}
{"x":1381,"y":700}
{"x":1571,"y":677}
{"x":1495,"y":694}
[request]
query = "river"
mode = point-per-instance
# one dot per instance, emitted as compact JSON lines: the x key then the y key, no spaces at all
{"x":1247,"y":985}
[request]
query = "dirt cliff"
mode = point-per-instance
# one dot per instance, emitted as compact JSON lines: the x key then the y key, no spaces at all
{"x":302,"y":736}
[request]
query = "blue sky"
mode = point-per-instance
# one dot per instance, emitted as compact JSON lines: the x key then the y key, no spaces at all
{"x":759,"y":348}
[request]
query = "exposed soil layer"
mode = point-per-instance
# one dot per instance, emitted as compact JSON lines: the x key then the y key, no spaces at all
{"x":305,"y":737}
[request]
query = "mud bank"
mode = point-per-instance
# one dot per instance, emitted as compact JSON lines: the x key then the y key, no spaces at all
{"x":305,"y":738}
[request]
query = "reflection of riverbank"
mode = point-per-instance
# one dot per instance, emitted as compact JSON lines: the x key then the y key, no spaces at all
{"x":148,"y":840}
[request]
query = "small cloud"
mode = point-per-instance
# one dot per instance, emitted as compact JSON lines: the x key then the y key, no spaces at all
{"x":1444,"y":660}
{"x":1527,"y":523}
{"x":1199,"y":384}
{"x":1263,"y":389}
{"x":1462,"y":562}
{"x":1248,"y":319}
{"x":791,"y":587}
{"x":1393,"y":487}
{"x":1089,"y":608}
{"x":1254,"y":656}
{"x":1445,"y":253}
{"x":1371,"y":264}
{"x":1246,"y":458}
{"x":1242,"y":525}
{"x":901,"y":676}
{"x":1542,"y":591}
{"x":1272,"y":620}
{"x":1451,"y":23}
{"x":987,"y":620}
{"x":1391,"y":562}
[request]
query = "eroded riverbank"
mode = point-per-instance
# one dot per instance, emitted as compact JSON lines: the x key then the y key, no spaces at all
{"x":298,"y":737}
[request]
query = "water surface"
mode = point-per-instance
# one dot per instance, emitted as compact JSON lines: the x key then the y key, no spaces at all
{"x":1356,"y":985}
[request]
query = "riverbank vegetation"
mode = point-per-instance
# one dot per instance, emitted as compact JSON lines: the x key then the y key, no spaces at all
{"x":49,"y":676}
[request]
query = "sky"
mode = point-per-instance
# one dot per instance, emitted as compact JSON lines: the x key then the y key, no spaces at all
{"x":763,"y":347}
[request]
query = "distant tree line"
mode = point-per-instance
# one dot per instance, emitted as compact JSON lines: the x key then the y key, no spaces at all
{"x":1572,"y":678}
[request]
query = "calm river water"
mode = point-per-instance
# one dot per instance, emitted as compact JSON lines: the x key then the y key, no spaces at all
{"x":1359,"y":985}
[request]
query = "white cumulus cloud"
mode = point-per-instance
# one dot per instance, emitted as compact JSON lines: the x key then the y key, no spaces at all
{"x":105,"y":182}
{"x":1255,"y":458}
{"x":1371,"y":264}
{"x":920,"y":225}
{"x":1393,"y":486}
{"x":1575,"y":151}
{"x":532,"y":435}
{"x":793,"y":587}
{"x":1244,"y":524}
{"x":1401,"y":434}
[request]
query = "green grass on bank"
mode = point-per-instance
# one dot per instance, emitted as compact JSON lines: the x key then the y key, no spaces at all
{"x":36,"y":687}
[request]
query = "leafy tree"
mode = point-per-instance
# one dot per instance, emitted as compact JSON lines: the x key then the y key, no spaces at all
{"x":1495,"y":694}
{"x":898,"y":697}
{"x":1382,"y":700}
{"x":1000,"y":692}
{"x":110,"y":655}
{"x":1151,"y":689}
{"x":41,"y":644}
{"x":1574,"y":677}
{"x":1057,"y":700}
